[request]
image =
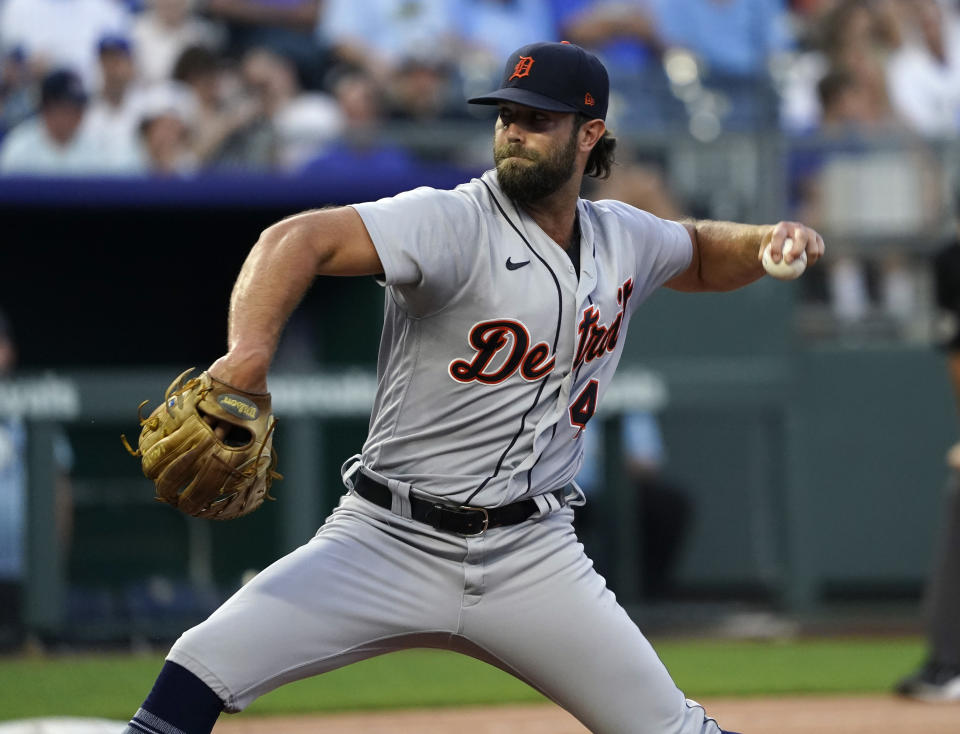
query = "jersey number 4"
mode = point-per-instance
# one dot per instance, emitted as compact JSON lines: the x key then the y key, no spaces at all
{"x":583,"y":408}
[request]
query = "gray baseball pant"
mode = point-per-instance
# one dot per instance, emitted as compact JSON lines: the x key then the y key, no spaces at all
{"x":524,"y":598}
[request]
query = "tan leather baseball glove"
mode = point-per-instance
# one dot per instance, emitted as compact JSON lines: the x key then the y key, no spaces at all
{"x":199,"y":472}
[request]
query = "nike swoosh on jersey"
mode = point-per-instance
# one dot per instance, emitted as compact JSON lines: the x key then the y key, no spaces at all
{"x":513,"y":266}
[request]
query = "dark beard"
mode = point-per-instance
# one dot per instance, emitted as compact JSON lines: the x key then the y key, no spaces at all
{"x":529,"y":182}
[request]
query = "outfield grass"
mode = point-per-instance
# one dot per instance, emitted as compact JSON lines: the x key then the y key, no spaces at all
{"x":113,"y":686}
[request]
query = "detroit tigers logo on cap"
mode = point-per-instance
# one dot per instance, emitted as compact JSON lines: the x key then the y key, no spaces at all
{"x":568,"y":79}
{"x":522,"y":68}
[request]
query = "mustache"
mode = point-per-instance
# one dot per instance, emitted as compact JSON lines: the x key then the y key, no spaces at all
{"x":509,"y":150}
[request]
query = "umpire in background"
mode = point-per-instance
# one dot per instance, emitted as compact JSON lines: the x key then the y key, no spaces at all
{"x":939,"y":678}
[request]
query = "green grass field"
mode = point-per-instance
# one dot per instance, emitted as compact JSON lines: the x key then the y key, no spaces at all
{"x":112,"y":686}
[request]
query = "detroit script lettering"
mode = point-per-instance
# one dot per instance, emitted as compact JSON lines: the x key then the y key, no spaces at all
{"x":510,"y":340}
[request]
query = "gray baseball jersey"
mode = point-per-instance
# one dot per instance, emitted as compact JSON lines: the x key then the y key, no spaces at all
{"x":494,"y":353}
{"x":493,"y":359}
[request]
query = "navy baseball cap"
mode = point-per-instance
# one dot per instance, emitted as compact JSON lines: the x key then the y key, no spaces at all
{"x":62,"y":85}
{"x":560,"y":77}
{"x":113,"y":42}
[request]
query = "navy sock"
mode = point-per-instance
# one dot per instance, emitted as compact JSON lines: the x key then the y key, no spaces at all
{"x":180,"y":703}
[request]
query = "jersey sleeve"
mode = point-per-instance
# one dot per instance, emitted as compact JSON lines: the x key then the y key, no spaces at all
{"x":661,"y":248}
{"x":426,"y":239}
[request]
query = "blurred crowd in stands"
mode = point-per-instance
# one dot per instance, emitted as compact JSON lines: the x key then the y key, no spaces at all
{"x":173,"y":87}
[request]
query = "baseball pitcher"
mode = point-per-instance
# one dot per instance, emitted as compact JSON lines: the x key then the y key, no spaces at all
{"x":507,"y":303}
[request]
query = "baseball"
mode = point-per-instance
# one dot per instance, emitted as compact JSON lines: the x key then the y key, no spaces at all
{"x":784,"y":270}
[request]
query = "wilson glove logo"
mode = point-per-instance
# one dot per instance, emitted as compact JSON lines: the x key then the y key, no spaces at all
{"x":238,"y":406}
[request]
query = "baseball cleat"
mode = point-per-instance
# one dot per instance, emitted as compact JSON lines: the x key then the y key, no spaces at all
{"x":933,"y":682}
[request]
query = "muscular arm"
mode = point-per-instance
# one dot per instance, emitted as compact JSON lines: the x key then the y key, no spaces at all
{"x":274,"y":278}
{"x":726,"y":255}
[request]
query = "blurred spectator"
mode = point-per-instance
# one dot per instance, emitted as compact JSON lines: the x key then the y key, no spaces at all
{"x":17,"y":94}
{"x":113,"y":117}
{"x":858,"y":38}
{"x":734,"y":38}
{"x":813,"y":8}
{"x":13,"y":503}
{"x":641,"y":185}
{"x":493,"y":29}
{"x":487,"y":32}
{"x":60,"y":33}
{"x":665,"y":508}
{"x":164,"y":31}
{"x":361,"y":105}
{"x":55,"y":142}
{"x":421,"y":90}
{"x":924,"y":71}
{"x":797,"y":79}
{"x":380,"y":34}
{"x":843,"y":182}
{"x":286,"y":27}
{"x":299,"y":14}
{"x":361,"y":143}
{"x":625,"y":36}
{"x":164,"y":129}
{"x":850,"y":105}
{"x":623,"y":33}
{"x":363,"y":146}
{"x":223,"y":125}
{"x":848,"y":111}
{"x":638,"y":183}
{"x":849,"y":91}
{"x":733,"y":43}
{"x":855,"y":37}
{"x":301,"y":123}
{"x":845,"y":101}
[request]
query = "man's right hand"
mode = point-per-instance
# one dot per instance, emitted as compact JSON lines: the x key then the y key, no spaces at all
{"x":246,"y":372}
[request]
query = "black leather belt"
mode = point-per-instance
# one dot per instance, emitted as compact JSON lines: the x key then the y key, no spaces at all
{"x":459,"y":519}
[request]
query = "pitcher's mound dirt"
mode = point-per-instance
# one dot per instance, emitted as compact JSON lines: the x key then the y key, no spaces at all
{"x":794,"y":715}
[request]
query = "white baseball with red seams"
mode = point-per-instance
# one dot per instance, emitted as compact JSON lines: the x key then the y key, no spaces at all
{"x":784,"y":270}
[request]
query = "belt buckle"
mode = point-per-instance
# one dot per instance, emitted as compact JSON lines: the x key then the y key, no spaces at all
{"x":486,"y":520}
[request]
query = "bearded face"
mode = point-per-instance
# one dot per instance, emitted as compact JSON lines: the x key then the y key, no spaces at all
{"x":527,"y":175}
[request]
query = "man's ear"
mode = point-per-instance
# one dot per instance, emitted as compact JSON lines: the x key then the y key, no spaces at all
{"x":591,"y":131}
